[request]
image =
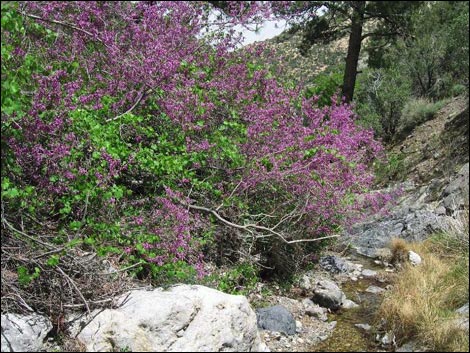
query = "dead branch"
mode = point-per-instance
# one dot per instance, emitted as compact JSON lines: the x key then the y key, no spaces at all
{"x":68,"y":25}
{"x":76,"y":288}
{"x":251,"y":227}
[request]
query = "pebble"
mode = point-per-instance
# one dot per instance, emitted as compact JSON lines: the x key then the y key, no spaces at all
{"x":374,"y":290}
{"x":365,"y":327}
{"x":369,"y":273}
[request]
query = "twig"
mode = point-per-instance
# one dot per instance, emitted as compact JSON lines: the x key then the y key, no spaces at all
{"x":142,"y":95}
{"x":121,"y":270}
{"x":21,"y":301}
{"x":65,"y":24}
{"x":49,"y":252}
{"x":92,"y":302}
{"x":76,"y":288}
{"x":24,"y":234}
{"x":257,"y":227}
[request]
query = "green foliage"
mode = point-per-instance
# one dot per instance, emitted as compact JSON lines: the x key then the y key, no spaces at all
{"x":418,"y":111}
{"x":24,"y":277}
{"x":238,"y":280}
{"x":393,"y":168}
{"x":325,"y":86}
{"x":381,"y":95}
{"x":429,"y":61}
{"x":436,"y":57}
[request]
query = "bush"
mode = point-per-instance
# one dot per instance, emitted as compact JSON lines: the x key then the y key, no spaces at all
{"x":381,"y":95}
{"x":416,"y":112}
{"x":325,"y":86}
{"x":238,"y":280}
{"x":135,"y":143}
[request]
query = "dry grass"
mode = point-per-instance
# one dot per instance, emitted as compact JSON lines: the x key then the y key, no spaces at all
{"x":400,"y":250}
{"x":421,"y":306}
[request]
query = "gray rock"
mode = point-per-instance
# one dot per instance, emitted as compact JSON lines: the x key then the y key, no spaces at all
{"x":408,"y":347}
{"x":181,"y":319}
{"x":441,"y":211}
{"x":349,"y":304}
{"x":24,"y":333}
{"x":276,"y":318}
{"x":463,"y":310}
{"x":374,"y":290}
{"x":455,"y":195}
{"x":365,"y":327}
{"x":312,"y":309}
{"x":369,"y":273}
{"x":388,"y":339}
{"x":326,"y":293}
{"x":414,"y":217}
{"x":334,"y":264}
{"x":304,"y":283}
{"x":462,"y":322}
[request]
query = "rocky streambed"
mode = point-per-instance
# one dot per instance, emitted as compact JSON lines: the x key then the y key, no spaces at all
{"x":333,"y":309}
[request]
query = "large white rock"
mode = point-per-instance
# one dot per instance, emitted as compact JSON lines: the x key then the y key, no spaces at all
{"x":24,"y":333}
{"x":183,"y":318}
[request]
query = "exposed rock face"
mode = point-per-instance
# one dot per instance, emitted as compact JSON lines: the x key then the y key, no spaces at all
{"x":435,"y":163}
{"x":276,"y":318}
{"x":420,"y":212}
{"x":455,"y":194}
{"x":182,"y":319}
{"x":24,"y":333}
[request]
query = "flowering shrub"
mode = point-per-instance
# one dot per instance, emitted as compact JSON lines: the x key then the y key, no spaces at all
{"x":137,"y":119}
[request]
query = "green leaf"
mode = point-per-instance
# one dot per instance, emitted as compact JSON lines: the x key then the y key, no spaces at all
{"x":53,"y":260}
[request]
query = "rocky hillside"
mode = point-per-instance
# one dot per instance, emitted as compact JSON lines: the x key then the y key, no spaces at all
{"x":436,"y":148}
{"x":432,"y":169}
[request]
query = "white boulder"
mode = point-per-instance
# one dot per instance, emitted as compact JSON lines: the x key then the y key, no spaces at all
{"x":183,"y":318}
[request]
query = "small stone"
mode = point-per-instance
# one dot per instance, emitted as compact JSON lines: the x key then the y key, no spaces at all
{"x":298,"y":326}
{"x":365,"y":327}
{"x":374,"y":290}
{"x":463,"y":310}
{"x":369,"y":273}
{"x":300,"y":341}
{"x":305,"y":283}
{"x":414,"y":258}
{"x":388,"y":339}
{"x":441,"y":211}
{"x":349,"y":304}
{"x":408,"y":347}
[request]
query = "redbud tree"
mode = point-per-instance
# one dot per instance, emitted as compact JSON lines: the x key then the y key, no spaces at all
{"x":142,"y":130}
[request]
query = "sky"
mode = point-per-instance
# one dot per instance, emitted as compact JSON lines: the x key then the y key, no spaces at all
{"x":268,"y":31}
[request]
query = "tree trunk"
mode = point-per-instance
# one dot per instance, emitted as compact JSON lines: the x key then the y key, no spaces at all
{"x":354,"y":48}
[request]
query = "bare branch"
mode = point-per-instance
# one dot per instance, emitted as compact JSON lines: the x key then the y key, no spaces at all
{"x":65,"y":24}
{"x":142,"y":95}
{"x":251,"y":227}
{"x":76,"y":288}
{"x":4,"y":221}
